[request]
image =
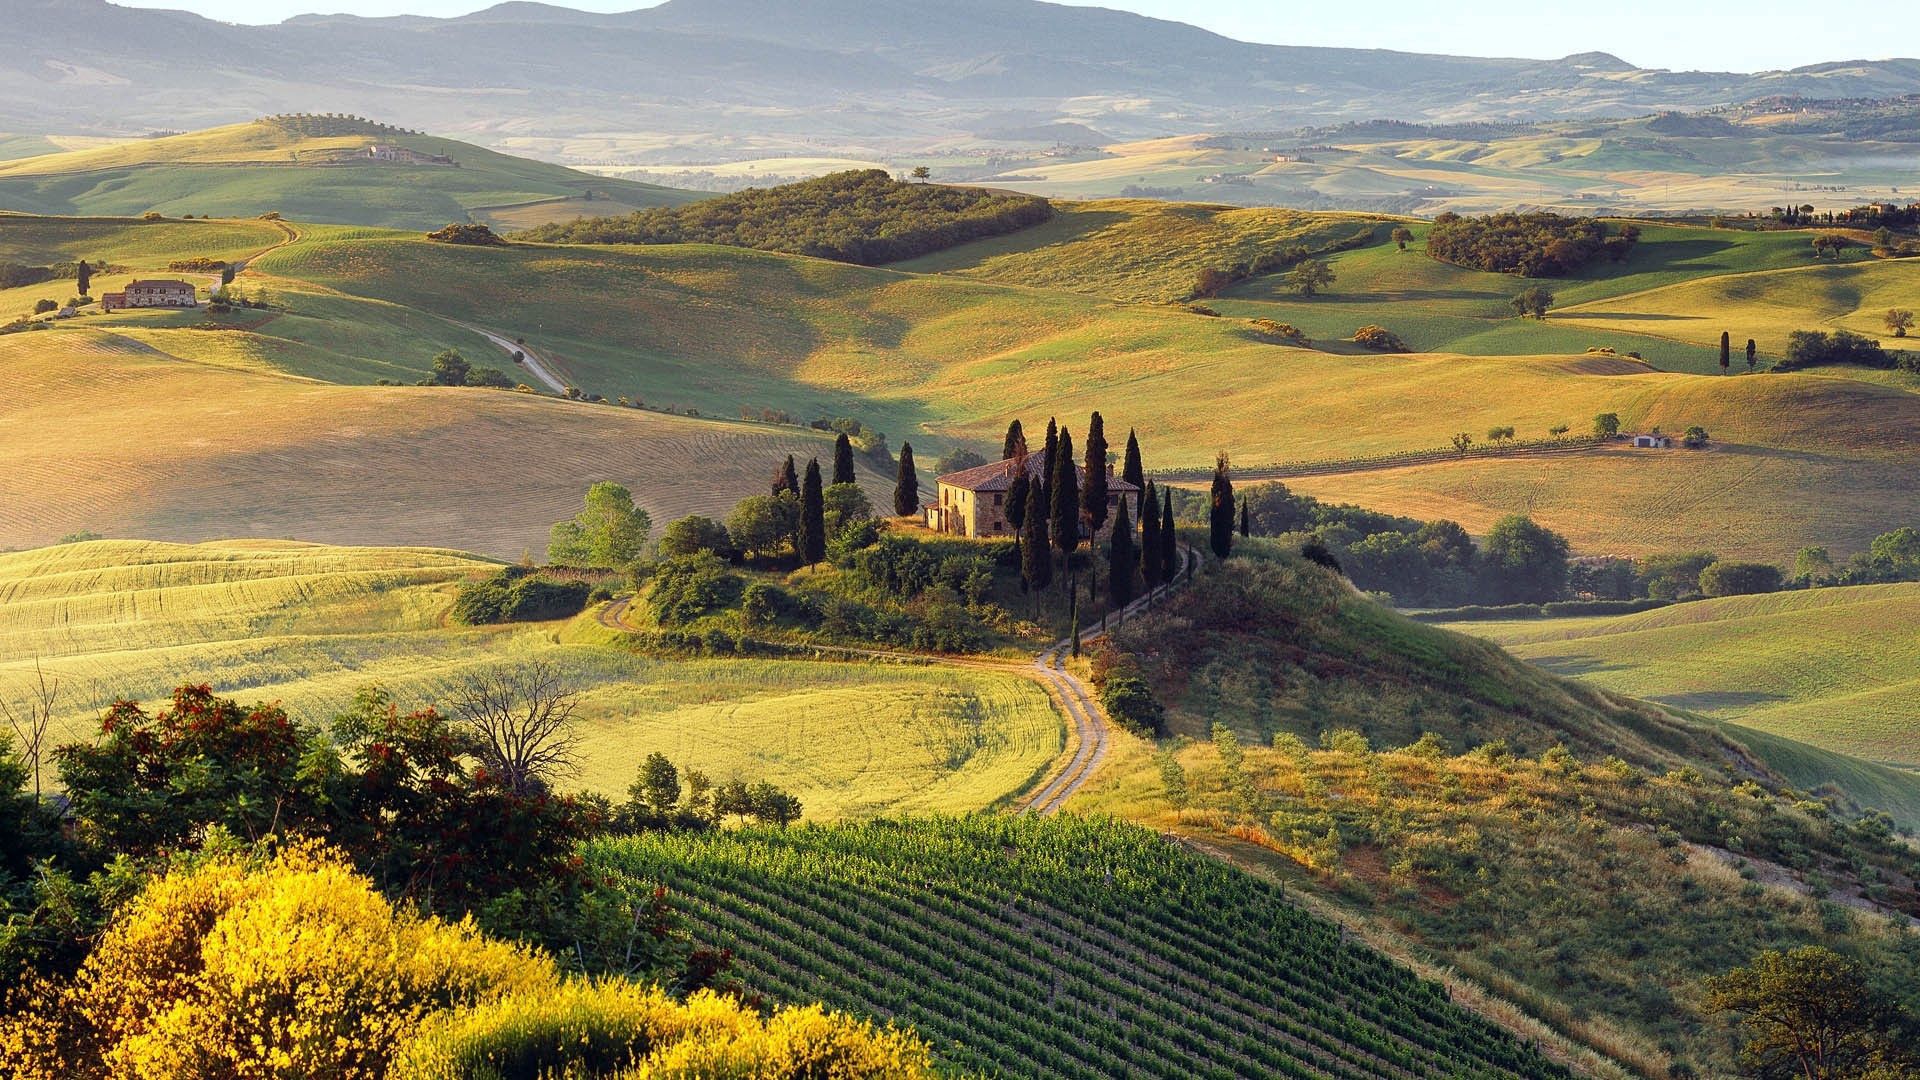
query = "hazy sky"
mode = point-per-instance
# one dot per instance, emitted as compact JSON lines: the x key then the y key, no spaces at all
{"x":1717,"y":35}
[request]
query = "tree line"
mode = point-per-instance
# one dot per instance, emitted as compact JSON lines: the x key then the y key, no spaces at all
{"x":862,"y":216}
{"x":1531,"y":245}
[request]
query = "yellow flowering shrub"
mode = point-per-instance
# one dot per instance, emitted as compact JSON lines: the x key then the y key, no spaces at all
{"x":621,"y":1031}
{"x":294,"y":968}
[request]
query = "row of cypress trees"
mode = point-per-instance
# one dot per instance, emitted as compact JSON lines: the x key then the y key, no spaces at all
{"x":810,"y":540}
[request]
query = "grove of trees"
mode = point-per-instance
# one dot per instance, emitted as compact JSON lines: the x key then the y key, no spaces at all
{"x":1531,"y":245}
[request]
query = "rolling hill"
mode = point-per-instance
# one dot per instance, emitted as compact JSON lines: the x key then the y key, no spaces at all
{"x":310,"y":625}
{"x":1833,"y":667}
{"x":314,"y":169}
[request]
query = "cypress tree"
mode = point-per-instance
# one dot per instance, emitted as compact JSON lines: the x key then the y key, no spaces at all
{"x":1246,"y":528}
{"x":786,"y":478}
{"x":1169,"y":538}
{"x":1220,"y":509}
{"x":1093,"y":498}
{"x":1017,"y":491}
{"x":1726,"y":351}
{"x":906,"y":485}
{"x":1066,"y":500}
{"x":843,"y":460}
{"x":83,"y":277}
{"x":1122,"y":561}
{"x":1750,"y":354}
{"x":1051,"y":463}
{"x":1016,"y":442}
{"x":1036,"y":561}
{"x":813,"y":520}
{"x":1149,"y":537}
{"x":1130,"y":469}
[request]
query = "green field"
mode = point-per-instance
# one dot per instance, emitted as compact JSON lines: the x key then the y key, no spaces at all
{"x":1837,"y":668}
{"x":133,"y":248}
{"x":253,"y":168}
{"x":1061,"y":948}
{"x":308,"y":626}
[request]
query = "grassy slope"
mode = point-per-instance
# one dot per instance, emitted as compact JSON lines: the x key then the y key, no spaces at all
{"x":143,"y":248}
{"x":1129,"y":249}
{"x":1061,"y":948}
{"x":251,"y":168}
{"x":309,"y":625}
{"x":1838,"y":668}
{"x":1545,"y":885}
{"x":105,"y":433}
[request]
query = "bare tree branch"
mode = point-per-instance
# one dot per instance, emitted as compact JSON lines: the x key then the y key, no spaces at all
{"x":31,"y":718}
{"x":521,"y":721}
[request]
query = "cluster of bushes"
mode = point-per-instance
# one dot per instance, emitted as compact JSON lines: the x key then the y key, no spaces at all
{"x":1558,"y":609}
{"x":465,"y":234}
{"x":863,"y":216}
{"x":1892,"y":556}
{"x":19,"y":275}
{"x":1379,"y":339}
{"x":452,"y":369}
{"x":867,"y":440}
{"x":519,"y":594}
{"x":1666,"y":577}
{"x":1817,"y":348}
{"x":1126,"y":695}
{"x":1279,"y":331}
{"x":1531,"y":245}
{"x":199,"y":264}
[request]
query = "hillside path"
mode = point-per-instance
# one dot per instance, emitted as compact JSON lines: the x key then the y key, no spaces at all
{"x":536,"y":365}
{"x":1069,"y":693}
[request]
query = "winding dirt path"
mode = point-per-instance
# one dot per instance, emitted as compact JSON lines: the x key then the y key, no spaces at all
{"x":1069,"y":693}
{"x":537,"y":366}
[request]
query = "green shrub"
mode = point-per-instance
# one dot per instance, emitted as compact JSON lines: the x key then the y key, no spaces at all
{"x":1129,"y":700}
{"x":518,"y":594}
{"x":688,"y":587}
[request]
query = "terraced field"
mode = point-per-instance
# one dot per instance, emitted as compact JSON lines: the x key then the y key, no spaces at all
{"x":1832,"y":667}
{"x":1062,"y":947}
{"x":105,"y":433}
{"x":309,"y":626}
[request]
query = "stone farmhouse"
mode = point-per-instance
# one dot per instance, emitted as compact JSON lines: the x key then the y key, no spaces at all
{"x":973,"y":502}
{"x":155,"y":292}
{"x":405,"y":155}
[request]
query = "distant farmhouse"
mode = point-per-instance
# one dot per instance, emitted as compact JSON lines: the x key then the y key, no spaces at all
{"x":405,"y":155}
{"x":973,"y":502}
{"x":157,"y":292}
{"x":1653,"y":441}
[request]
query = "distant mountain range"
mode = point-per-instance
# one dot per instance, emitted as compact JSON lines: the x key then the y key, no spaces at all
{"x":833,"y":71}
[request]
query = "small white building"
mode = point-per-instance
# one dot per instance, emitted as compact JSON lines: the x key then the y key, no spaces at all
{"x":1652,"y":441}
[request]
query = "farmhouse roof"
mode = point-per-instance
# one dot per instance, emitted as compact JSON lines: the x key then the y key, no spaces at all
{"x":998,"y":475}
{"x":158,"y":283}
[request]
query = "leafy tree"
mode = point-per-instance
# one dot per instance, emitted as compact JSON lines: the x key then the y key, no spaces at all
{"x":1015,"y":443}
{"x":764,"y":524}
{"x":1169,"y":538}
{"x":1036,"y":560}
{"x":658,"y":785}
{"x":1221,"y":507}
{"x":786,"y":478}
{"x":691,"y":586}
{"x":959,"y":459}
{"x":812,"y":537}
{"x":1131,"y":469}
{"x":845,"y":505}
{"x":906,"y":485}
{"x":1064,"y":522}
{"x":1813,"y":565}
{"x":1695,"y":438}
{"x":1533,"y":302}
{"x":1739,"y":579}
{"x":843,"y":460}
{"x":1523,"y":562}
{"x":1898,"y":320}
{"x":449,"y":369}
{"x":1898,"y":550}
{"x":1123,"y":559}
{"x":1812,"y":348}
{"x":41,"y":307}
{"x":1401,"y":235}
{"x":610,"y":533}
{"x":922,"y":173}
{"x":1673,"y":575}
{"x":1606,"y":425}
{"x":1500,"y":434}
{"x":1810,"y":1012}
{"x":1149,"y":537}
{"x":694,"y":534}
{"x":1461,"y":441}
{"x":1309,"y":277}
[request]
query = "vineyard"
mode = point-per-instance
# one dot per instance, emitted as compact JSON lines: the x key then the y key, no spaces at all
{"x":1062,"y":947}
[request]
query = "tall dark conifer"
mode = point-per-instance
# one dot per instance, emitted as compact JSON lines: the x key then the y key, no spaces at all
{"x":1246,"y":527}
{"x":1220,"y":509}
{"x":1726,"y":351}
{"x":1016,"y":441}
{"x":1130,"y":468}
{"x":83,"y":277}
{"x":1036,"y":559}
{"x":843,"y":460}
{"x":1050,"y":462}
{"x":1017,"y":487}
{"x":1750,"y":354}
{"x":1065,"y":519}
{"x":786,"y":478}
{"x":1123,"y":560}
{"x":1169,"y":538}
{"x":1093,"y":497}
{"x":812,"y":543}
{"x":1149,"y":537}
{"x":906,"y":485}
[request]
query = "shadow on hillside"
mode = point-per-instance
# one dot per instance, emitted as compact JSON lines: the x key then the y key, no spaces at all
{"x":1631,"y":316}
{"x":1573,"y":665}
